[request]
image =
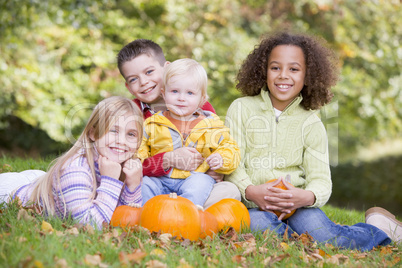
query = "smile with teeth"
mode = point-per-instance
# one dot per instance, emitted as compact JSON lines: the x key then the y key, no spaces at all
{"x":148,"y":90}
{"x":284,"y":86}
{"x":118,"y":150}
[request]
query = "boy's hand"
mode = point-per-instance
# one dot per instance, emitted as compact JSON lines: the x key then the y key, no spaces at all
{"x":216,"y":176}
{"x":132,"y":168}
{"x":215,"y":161}
{"x":185,"y":158}
{"x":109,"y":168}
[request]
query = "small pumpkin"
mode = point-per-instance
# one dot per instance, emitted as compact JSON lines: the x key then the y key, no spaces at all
{"x":126,"y":216}
{"x":282,"y":186}
{"x":169,"y":213}
{"x":209,"y":224}
{"x":230,"y":212}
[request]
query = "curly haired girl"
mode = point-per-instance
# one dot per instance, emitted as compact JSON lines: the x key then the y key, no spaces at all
{"x":284,"y":79}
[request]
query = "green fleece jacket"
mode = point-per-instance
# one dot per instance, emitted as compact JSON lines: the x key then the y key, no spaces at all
{"x":295,"y":143}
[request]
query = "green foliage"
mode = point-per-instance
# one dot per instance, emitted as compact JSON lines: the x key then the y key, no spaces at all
{"x":59,"y":56}
{"x":363,"y":185}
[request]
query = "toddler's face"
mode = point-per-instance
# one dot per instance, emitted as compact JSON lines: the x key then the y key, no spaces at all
{"x":143,"y":76}
{"x":285,"y":75}
{"x":182,"y":97}
{"x":121,"y":141}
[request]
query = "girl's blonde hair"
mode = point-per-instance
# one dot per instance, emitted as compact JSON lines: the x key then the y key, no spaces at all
{"x":188,"y":67}
{"x":103,"y":117}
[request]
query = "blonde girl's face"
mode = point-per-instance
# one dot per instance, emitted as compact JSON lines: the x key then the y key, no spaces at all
{"x":285,"y":74}
{"x":121,"y":142}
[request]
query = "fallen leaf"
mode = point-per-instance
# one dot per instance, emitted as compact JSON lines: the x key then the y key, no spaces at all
{"x":385,"y":250}
{"x":46,"y":227}
{"x":238,"y":258}
{"x":158,"y":252}
{"x":94,"y":260}
{"x":38,"y":264}
{"x":72,"y":231}
{"x":60,"y":263}
{"x":155,"y":264}
{"x":136,"y":256}
{"x":394,"y":261}
{"x":165,"y":238}
{"x":230,"y":234}
{"x":184,"y":264}
{"x":23,"y":215}
{"x":338,"y":259}
{"x":89,"y":229}
{"x":284,"y":246}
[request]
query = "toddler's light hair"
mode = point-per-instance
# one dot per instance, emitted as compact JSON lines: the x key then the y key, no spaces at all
{"x":188,"y":67}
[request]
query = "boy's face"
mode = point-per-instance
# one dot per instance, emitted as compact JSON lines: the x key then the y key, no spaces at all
{"x":143,"y":76}
{"x":182,"y":97}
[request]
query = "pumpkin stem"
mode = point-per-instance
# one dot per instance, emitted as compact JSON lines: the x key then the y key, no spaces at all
{"x":173,"y":195}
{"x":134,"y":205}
{"x":199,"y":207}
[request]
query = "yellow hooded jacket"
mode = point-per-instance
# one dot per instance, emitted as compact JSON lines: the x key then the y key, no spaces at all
{"x":209,"y":136}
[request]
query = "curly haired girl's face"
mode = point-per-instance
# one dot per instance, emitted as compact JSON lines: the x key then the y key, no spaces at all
{"x":285,"y":75}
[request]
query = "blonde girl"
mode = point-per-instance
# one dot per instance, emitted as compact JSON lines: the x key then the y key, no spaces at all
{"x":98,"y":173}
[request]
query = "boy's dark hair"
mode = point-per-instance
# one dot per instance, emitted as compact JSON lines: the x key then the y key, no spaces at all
{"x":137,"y":48}
{"x":321,"y":68}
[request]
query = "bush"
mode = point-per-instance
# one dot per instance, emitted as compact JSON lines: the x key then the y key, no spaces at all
{"x":363,"y":185}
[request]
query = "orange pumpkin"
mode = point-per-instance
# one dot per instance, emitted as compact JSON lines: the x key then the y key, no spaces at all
{"x":126,"y":216}
{"x":282,"y":186}
{"x":209,"y":224}
{"x":230,"y":213}
{"x":172,"y":214}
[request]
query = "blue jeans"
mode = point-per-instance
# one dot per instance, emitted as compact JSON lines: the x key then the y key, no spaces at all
{"x":360,"y":236}
{"x":196,"y":187}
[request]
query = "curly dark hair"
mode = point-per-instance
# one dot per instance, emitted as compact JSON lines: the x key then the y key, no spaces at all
{"x":321,"y":68}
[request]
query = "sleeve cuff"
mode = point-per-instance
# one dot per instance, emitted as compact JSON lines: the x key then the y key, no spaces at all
{"x":153,"y":166}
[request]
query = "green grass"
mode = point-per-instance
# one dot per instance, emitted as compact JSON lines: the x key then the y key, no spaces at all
{"x":25,"y":243}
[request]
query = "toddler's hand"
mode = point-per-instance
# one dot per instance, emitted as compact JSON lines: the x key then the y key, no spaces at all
{"x":215,"y":161}
{"x":216,"y":176}
{"x":109,"y":168}
{"x":132,"y":168}
{"x":185,"y":158}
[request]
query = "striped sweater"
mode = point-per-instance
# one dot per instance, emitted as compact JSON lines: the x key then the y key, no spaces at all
{"x":76,"y":186}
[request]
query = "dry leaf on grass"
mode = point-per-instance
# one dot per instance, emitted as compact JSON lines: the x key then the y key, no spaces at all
{"x":136,"y":256}
{"x":155,"y":264}
{"x":46,"y":227}
{"x":94,"y":260}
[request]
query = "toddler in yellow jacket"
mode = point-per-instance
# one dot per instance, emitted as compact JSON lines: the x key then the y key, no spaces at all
{"x":185,"y":124}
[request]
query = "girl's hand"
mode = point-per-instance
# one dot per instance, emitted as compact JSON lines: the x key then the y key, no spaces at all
{"x":215,"y":161}
{"x":109,"y":168}
{"x":132,"y":168}
{"x":258,"y":193}
{"x":288,"y":200}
